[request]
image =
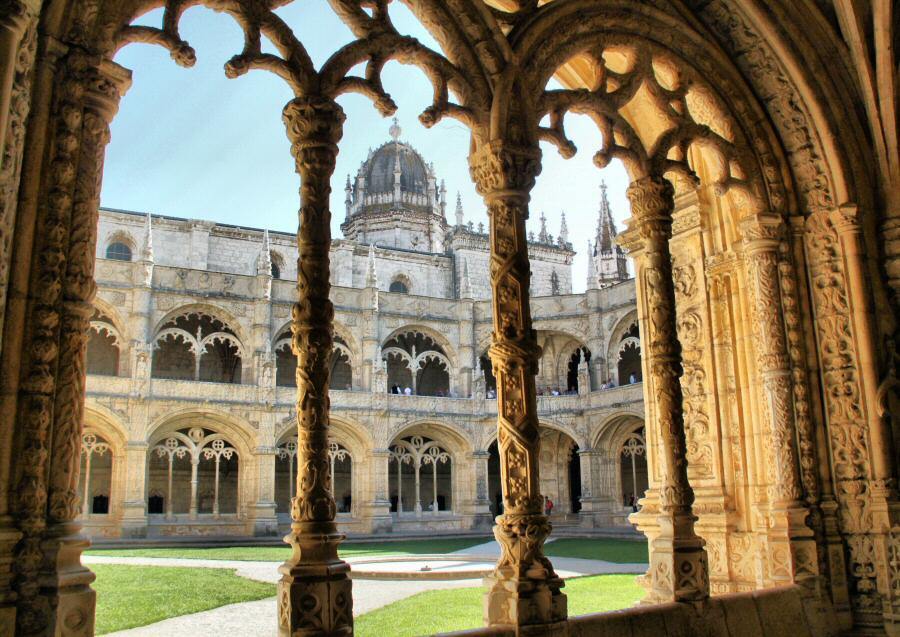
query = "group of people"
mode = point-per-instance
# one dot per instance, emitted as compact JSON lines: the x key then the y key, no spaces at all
{"x":407,"y":391}
{"x":632,"y":379}
{"x":556,"y":392}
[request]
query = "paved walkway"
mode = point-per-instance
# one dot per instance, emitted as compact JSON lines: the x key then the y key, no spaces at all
{"x":257,"y":619}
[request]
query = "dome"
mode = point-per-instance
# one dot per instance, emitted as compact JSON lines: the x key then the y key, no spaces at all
{"x":379,"y":170}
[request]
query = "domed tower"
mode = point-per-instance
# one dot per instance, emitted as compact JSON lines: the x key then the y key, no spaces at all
{"x":395,"y":201}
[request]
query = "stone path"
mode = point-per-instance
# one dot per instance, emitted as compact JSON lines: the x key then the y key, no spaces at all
{"x":257,"y":619}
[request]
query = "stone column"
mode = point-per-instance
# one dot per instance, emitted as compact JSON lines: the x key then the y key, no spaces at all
{"x":592,"y":513}
{"x":787,"y":531}
{"x":314,"y":594}
{"x":378,"y":507}
{"x":884,"y":524}
{"x":481,"y":503}
{"x":262,"y":510}
{"x":134,"y":506}
{"x":678,"y":563}
{"x":524,"y":591}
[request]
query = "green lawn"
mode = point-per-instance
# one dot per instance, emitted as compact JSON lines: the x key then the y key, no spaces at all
{"x":462,"y":608}
{"x":129,"y":596}
{"x":281,"y":553}
{"x":607,"y":549}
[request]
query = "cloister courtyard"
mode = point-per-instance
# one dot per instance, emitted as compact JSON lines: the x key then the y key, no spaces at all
{"x":401,"y":588}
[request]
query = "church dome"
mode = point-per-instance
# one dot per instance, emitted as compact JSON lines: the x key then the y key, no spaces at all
{"x":380,"y":167}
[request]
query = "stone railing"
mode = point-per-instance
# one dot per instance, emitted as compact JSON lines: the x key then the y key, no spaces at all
{"x":359,"y":400}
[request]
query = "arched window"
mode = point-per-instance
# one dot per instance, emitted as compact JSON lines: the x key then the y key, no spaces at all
{"x":118,"y":251}
{"x":102,"y":347}
{"x":416,"y":361}
{"x":629,"y":363}
{"x":277,"y":264}
{"x":96,"y":474}
{"x":581,"y":356}
{"x":399,"y":287}
{"x":341,"y":465}
{"x":196,"y":346}
{"x":286,"y":364}
{"x":633,"y":468}
{"x":197,"y":470}
{"x":419,"y":468}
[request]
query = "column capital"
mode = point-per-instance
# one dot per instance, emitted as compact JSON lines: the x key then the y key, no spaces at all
{"x":502,"y":169}
{"x":762,"y":232}
{"x":846,"y":219}
{"x":652,"y":205}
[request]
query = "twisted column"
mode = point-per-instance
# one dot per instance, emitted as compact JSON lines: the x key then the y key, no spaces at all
{"x":788,"y":533}
{"x":678,"y":563}
{"x":314,"y":593}
{"x":524,"y":591}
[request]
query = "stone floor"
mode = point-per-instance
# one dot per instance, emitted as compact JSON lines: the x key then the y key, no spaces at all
{"x":257,"y":619}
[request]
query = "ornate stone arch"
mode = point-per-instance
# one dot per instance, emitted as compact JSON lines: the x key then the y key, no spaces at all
{"x":238,"y":431}
{"x":209,"y":309}
{"x":108,"y":424}
{"x":448,"y":350}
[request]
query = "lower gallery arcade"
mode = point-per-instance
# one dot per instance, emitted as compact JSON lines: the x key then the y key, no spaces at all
{"x":767,"y":315}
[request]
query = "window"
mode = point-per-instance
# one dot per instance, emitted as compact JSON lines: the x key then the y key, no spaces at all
{"x":399,"y":286}
{"x":118,"y":251}
{"x":276,"y":271}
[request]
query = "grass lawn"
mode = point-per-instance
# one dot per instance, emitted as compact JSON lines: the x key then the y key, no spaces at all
{"x":281,"y":553}
{"x":607,"y":549}
{"x":462,"y":608}
{"x":129,"y":596}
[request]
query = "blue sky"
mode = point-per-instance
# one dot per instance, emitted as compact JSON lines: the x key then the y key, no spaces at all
{"x":192,"y":143}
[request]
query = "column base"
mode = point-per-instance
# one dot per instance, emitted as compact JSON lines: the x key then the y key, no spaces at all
{"x":678,"y":571}
{"x":524,"y":593}
{"x":315,"y":592}
{"x":66,"y":591}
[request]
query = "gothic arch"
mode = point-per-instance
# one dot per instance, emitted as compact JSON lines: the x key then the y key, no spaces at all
{"x":450,"y":435}
{"x":208,"y":309}
{"x":120,"y":236}
{"x":237,"y":430}
{"x":108,"y":424}
{"x":613,"y":429}
{"x":112,"y":313}
{"x":442,"y":341}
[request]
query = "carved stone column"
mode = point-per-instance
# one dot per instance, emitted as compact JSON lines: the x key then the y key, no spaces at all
{"x":678,"y":563}
{"x":524,"y":591}
{"x":883,"y":525}
{"x":54,"y":588}
{"x":134,"y":499}
{"x":791,"y":546}
{"x":314,"y":594}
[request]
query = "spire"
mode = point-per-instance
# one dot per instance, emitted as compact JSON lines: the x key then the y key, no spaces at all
{"x":563,"y":230}
{"x":264,"y":261}
{"x":465,"y":285}
{"x":443,"y":192}
{"x":542,"y":236}
{"x":606,"y":227}
{"x":397,"y":173}
{"x":395,"y":130}
{"x":592,"y":270}
{"x":348,"y":200}
{"x":147,"y":254}
{"x":459,"y":209}
{"x":371,"y":274}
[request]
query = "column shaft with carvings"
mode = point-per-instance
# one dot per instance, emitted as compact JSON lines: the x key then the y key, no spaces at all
{"x":524,"y":591}
{"x":314,"y":594}
{"x":792,"y":553}
{"x":883,"y":525}
{"x":678,"y":563}
{"x":52,"y":397}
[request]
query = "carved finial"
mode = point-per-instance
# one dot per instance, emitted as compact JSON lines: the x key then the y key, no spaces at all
{"x":371,"y":274}
{"x":592,"y":270}
{"x":264,"y":261}
{"x":395,"y":130}
{"x":563,"y":229}
{"x":147,"y":254}
{"x":542,"y":235}
{"x":459,"y":209}
{"x":465,"y":285}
